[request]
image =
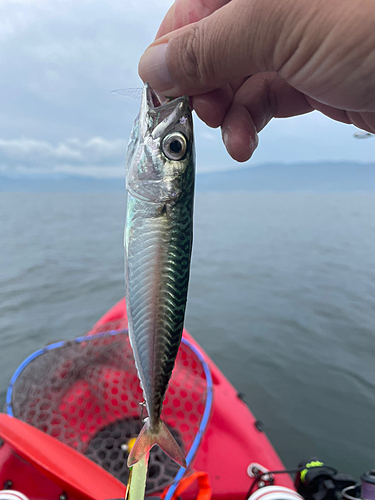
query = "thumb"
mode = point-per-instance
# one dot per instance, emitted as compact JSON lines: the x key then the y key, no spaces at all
{"x":235,"y":41}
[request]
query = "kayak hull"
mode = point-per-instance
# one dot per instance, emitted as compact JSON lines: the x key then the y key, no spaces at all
{"x":43,"y":468}
{"x":232,"y":440}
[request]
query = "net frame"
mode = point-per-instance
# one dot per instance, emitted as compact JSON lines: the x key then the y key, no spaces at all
{"x":105,"y":332}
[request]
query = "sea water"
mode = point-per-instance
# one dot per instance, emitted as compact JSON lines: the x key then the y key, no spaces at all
{"x":282,"y":298}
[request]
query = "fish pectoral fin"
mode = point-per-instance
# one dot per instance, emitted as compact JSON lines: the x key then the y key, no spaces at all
{"x":148,"y":438}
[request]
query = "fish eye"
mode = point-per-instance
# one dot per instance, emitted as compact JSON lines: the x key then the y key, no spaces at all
{"x":174,"y":146}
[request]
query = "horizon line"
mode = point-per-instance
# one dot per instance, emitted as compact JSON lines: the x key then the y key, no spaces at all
{"x":15,"y":176}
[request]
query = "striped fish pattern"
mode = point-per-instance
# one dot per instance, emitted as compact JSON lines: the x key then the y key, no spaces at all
{"x":158,"y":242}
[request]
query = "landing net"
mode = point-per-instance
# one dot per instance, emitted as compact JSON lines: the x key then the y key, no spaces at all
{"x":86,"y":394}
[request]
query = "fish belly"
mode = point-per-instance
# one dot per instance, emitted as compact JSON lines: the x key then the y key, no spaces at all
{"x":158,"y":240}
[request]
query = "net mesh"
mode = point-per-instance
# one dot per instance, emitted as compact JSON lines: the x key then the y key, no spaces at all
{"x":86,"y":394}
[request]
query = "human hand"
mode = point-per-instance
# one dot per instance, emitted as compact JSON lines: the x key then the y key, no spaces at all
{"x":246,"y":61}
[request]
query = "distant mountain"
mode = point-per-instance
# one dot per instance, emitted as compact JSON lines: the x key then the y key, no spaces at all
{"x":316,"y":177}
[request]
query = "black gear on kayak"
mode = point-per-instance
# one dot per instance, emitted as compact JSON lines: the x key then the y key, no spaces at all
{"x":317,"y":481}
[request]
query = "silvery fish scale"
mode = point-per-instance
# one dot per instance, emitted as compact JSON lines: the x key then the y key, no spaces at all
{"x":158,"y":240}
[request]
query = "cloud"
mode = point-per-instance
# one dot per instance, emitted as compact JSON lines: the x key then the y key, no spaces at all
{"x":96,"y":156}
{"x":93,"y":157}
{"x":59,"y":61}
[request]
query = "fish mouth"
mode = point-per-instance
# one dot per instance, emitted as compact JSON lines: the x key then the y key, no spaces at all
{"x":154,"y":98}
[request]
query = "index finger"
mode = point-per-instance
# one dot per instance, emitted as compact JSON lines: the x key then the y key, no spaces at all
{"x":184,"y":12}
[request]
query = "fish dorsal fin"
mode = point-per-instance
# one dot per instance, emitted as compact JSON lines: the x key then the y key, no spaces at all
{"x":131,"y":93}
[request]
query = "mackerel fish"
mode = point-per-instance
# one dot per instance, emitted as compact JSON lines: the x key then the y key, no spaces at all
{"x":160,"y":176}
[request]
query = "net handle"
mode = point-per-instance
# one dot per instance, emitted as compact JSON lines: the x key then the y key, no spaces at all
{"x":204,"y":486}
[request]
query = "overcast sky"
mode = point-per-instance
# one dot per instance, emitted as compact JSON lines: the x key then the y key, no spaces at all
{"x":59,"y":61}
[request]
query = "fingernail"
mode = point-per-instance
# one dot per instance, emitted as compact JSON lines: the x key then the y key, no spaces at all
{"x":254,"y":142}
{"x":153,"y":68}
{"x":240,"y":151}
{"x":225,"y":136}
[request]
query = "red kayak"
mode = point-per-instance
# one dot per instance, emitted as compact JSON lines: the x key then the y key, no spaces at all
{"x":73,"y":410}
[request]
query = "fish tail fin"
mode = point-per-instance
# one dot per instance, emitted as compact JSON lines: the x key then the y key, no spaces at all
{"x":148,"y":438}
{"x":170,"y":446}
